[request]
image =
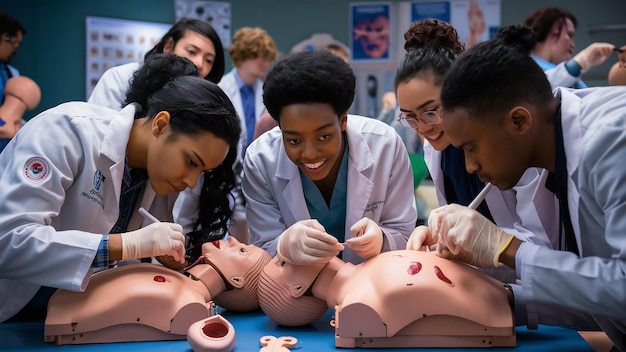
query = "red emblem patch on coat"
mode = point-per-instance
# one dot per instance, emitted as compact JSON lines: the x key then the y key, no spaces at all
{"x":36,"y":169}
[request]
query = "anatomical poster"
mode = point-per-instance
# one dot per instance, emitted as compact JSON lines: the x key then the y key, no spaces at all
{"x":370,"y":31}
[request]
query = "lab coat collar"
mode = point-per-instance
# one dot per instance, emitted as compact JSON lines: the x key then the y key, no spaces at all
{"x":572,"y":134}
{"x":119,"y":130}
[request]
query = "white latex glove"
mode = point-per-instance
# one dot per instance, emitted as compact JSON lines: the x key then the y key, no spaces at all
{"x":307,"y":242}
{"x":594,"y":55}
{"x":421,"y":239}
{"x":159,"y":238}
{"x":369,"y":238}
{"x":468,"y":235}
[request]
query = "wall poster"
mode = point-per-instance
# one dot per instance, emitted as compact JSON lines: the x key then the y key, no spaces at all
{"x":217,"y":14}
{"x":112,"y":42}
{"x":370,"y":31}
{"x":474,"y":20}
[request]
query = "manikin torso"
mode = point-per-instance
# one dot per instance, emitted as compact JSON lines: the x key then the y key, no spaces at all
{"x":395,"y":293}
{"x":119,"y":304}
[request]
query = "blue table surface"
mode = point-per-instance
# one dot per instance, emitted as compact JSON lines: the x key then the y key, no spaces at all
{"x":250,"y":327}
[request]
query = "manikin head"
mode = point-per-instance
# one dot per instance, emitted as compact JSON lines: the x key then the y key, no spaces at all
{"x":240,"y":265}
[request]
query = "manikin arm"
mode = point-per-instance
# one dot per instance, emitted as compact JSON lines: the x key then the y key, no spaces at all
{"x":20,"y":94}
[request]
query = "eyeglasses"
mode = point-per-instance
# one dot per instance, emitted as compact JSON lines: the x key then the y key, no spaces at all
{"x":429,"y":117}
{"x":10,"y":40}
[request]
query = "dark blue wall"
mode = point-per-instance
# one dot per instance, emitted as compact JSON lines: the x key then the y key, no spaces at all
{"x":53,"y":50}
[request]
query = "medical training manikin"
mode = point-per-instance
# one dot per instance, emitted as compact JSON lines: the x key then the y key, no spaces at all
{"x":396,"y":299}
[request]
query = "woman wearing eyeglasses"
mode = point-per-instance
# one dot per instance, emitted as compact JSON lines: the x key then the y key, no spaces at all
{"x":432,"y":47}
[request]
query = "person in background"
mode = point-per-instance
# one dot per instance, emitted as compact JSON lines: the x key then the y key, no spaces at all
{"x":554,"y":30}
{"x":324,"y":176}
{"x":68,"y":208}
{"x":252,"y":52}
{"x":11,"y":35}
{"x":339,"y":51}
{"x":578,"y":137}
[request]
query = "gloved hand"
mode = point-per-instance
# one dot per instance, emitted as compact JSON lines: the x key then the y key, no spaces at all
{"x":593,"y":55}
{"x":307,"y":242}
{"x":159,"y":238}
{"x":468,"y":235}
{"x":369,"y":238}
{"x":421,"y":239}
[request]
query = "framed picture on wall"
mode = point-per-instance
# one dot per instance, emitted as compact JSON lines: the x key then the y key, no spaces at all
{"x":474,"y":20}
{"x":112,"y":42}
{"x":423,"y":10}
{"x":370,"y":27}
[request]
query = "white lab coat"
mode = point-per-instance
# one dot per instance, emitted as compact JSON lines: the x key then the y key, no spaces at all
{"x":594,"y":133}
{"x":558,"y":76}
{"x":51,"y":226}
{"x":380,"y":186}
{"x":111,"y":91}
{"x":112,"y":87}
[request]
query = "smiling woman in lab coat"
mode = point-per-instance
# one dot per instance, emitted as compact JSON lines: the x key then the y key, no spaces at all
{"x":67,"y":179}
{"x":322,"y":176}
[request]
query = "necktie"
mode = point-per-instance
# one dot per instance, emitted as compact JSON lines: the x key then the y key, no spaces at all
{"x":247,"y":99}
{"x":560,"y":178}
{"x":131,"y":190}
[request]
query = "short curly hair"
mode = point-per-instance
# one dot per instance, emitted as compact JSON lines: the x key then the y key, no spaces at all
{"x":317,"y":76}
{"x":251,"y":43}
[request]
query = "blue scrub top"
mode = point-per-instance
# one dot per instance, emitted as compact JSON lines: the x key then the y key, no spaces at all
{"x":334,"y":218}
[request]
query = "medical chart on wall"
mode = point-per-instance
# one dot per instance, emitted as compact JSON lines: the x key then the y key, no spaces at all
{"x":217,"y":14}
{"x":474,"y":20}
{"x":112,"y":42}
{"x":377,"y":32}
